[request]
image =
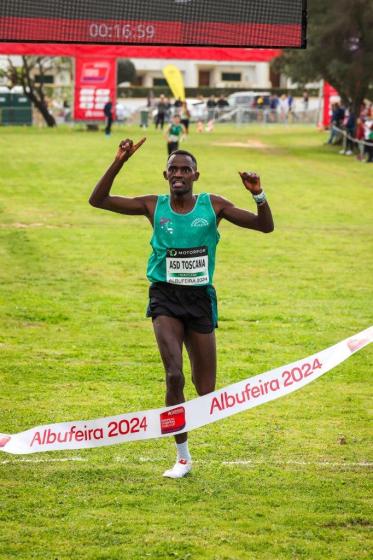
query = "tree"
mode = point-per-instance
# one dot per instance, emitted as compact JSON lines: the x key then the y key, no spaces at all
{"x":339,"y":50}
{"x":25,"y":76}
{"x":126,"y":71}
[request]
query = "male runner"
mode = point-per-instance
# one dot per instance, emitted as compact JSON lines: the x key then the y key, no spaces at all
{"x":182,"y":300}
{"x":174,"y":134}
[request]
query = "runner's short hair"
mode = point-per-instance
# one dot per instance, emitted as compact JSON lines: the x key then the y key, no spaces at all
{"x":182,"y":153}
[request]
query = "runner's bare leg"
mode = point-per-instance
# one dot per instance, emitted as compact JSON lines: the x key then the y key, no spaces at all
{"x":170,"y":333}
{"x":202,"y":355}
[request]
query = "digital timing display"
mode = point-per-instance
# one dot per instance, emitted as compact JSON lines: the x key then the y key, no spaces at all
{"x":225,"y":23}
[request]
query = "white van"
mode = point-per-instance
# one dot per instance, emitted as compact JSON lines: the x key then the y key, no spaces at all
{"x":246,"y":99}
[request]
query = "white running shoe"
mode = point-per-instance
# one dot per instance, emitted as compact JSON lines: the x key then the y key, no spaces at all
{"x":181,"y":468}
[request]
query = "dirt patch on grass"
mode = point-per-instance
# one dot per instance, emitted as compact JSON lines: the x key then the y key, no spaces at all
{"x":20,"y":225}
{"x":253,"y":144}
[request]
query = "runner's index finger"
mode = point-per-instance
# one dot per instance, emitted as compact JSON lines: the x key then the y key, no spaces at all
{"x":139,"y":144}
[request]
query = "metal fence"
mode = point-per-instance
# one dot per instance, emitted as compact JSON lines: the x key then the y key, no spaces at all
{"x":241,"y":116}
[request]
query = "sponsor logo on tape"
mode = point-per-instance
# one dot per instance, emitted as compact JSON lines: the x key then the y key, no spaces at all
{"x":356,"y":343}
{"x":173,"y":420}
{"x":4,"y":440}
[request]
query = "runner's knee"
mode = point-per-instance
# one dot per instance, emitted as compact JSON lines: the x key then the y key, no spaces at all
{"x":175,"y":380}
{"x":204,"y":387}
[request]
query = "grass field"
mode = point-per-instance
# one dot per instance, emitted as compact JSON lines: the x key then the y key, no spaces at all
{"x":272,"y":483}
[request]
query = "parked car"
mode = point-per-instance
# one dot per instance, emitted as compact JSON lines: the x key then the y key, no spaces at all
{"x":247,"y":99}
{"x":246,"y":103}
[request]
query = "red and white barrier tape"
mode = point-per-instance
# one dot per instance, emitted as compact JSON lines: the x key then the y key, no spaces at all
{"x":190,"y":415}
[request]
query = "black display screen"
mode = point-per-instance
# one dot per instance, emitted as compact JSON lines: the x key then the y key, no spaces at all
{"x":225,"y":23}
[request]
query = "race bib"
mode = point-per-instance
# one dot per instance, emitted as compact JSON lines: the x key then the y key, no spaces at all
{"x":187,"y":266}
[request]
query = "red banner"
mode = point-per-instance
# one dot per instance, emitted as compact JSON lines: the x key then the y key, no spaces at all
{"x":95,"y":85}
{"x":188,"y":53}
{"x":328,"y":93}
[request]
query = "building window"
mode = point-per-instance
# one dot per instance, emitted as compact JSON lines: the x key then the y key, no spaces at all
{"x":159,"y":82}
{"x":231,"y":76}
{"x":139,"y":81}
{"x":45,"y":79}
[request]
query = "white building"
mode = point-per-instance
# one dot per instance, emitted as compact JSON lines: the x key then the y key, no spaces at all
{"x":205,"y":73}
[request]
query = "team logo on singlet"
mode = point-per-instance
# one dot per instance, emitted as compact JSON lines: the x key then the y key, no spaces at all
{"x":166,"y":224}
{"x":199,"y":222}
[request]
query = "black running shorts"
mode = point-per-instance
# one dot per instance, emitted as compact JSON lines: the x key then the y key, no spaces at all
{"x":195,"y":306}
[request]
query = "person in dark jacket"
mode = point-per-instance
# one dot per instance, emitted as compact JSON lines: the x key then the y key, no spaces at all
{"x":338,"y":115}
{"x":108,"y":112}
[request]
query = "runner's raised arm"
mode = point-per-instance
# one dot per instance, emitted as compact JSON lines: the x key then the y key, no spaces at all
{"x":101,"y":198}
{"x":262,"y":221}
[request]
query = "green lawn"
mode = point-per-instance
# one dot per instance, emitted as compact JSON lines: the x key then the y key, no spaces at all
{"x":74,"y":344}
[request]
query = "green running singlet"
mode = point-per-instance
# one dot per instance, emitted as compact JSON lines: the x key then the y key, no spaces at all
{"x":184,"y":245}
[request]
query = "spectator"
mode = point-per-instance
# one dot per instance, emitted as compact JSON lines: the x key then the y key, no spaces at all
{"x":150,"y":99}
{"x":369,"y":144}
{"x":211,"y":108}
{"x":283,"y":107}
{"x":360,"y":135}
{"x":338,"y":115}
{"x":273,"y":105}
{"x":120,"y":112}
{"x":259,"y":106}
{"x":177,"y":106}
{"x":350,"y":134}
{"x":168,"y":106}
{"x":222,"y":104}
{"x":108,"y":113}
{"x":306,"y":100}
{"x":185,"y":116}
{"x":290,"y":103}
{"x":161,"y":111}
{"x":66,"y":110}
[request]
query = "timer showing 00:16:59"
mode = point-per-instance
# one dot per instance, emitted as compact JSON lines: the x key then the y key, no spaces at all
{"x":121,"y":31}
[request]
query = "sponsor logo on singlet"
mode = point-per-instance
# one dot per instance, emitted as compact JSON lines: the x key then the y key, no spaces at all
{"x":199,"y":222}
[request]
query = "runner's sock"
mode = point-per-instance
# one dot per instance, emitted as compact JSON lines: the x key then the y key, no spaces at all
{"x":183,"y":451}
{"x":183,"y":463}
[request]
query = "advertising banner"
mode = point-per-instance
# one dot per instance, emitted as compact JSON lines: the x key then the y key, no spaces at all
{"x":175,"y":81}
{"x":95,"y":85}
{"x":328,"y":93}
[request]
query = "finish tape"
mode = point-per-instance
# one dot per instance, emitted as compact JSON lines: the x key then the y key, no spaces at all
{"x":163,"y":422}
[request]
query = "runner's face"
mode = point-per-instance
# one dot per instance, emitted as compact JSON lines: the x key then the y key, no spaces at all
{"x":181,"y":173}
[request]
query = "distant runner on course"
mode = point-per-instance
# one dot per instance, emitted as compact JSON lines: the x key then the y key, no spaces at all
{"x":182,"y":299}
